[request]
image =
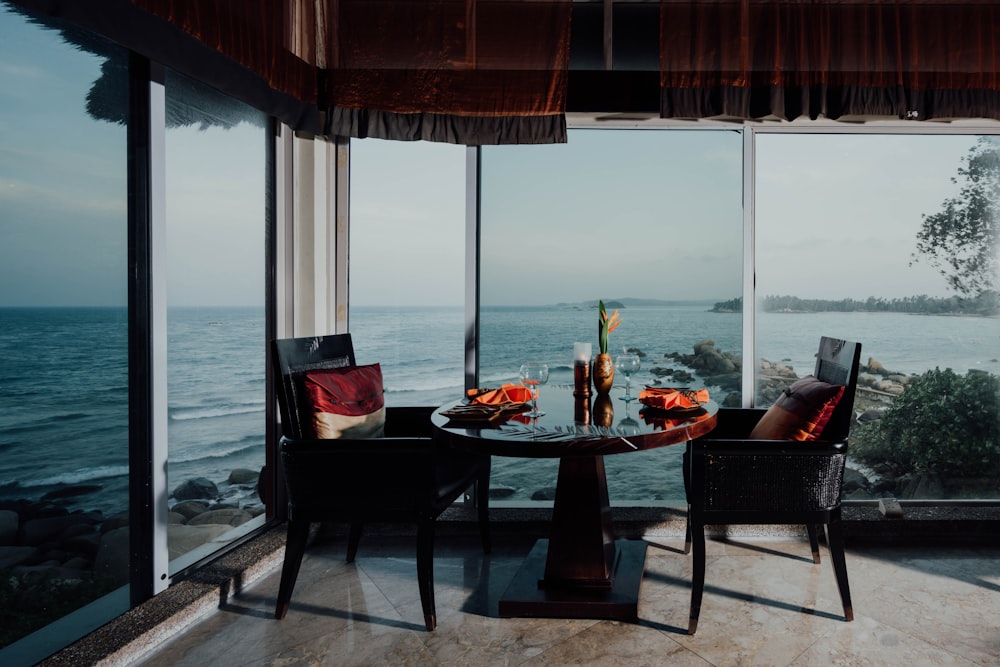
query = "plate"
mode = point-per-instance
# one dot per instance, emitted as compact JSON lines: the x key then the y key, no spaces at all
{"x":483,"y":412}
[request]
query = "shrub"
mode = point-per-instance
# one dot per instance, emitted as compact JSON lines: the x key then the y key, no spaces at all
{"x":943,"y":423}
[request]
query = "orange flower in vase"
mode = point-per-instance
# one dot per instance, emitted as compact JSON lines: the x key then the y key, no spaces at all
{"x":603,"y":372}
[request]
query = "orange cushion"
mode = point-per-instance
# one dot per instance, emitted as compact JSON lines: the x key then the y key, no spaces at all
{"x":801,"y":412}
{"x":346,"y":402}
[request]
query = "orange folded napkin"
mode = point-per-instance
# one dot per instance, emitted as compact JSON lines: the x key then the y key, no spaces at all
{"x":666,"y":398}
{"x":663,"y":421}
{"x":508,"y":393}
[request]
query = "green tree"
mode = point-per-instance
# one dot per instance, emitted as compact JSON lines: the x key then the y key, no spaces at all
{"x":943,"y":423}
{"x":960,"y":241}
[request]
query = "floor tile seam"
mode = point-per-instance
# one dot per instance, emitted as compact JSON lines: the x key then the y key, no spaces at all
{"x":668,"y":634}
{"x":385,"y":590}
{"x":694,"y":651}
{"x":554,"y":645}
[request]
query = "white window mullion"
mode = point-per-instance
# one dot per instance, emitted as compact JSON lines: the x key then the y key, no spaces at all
{"x":158,"y":309}
{"x":749,"y":271}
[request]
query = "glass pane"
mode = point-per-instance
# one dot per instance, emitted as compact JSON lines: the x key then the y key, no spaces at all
{"x":215,"y":170}
{"x":648,"y":221}
{"x":837,"y":254}
{"x":408,"y":267}
{"x":63,"y":333}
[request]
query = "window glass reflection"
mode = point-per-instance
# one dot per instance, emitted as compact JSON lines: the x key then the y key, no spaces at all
{"x":838,"y":242}
{"x":407,"y":269}
{"x":63,"y":333}
{"x":648,"y":221}
{"x":215,"y":171}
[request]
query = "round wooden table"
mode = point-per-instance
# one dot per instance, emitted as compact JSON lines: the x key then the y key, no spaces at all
{"x":581,"y":570}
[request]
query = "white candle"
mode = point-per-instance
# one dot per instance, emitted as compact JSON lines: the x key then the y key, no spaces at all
{"x":581,"y":353}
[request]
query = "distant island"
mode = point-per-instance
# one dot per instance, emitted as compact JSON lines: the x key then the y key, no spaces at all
{"x":625,"y":302}
{"x":985,"y":304}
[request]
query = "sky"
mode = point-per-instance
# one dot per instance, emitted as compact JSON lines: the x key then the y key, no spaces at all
{"x":63,"y":189}
{"x":651,"y":214}
{"x":611,"y":214}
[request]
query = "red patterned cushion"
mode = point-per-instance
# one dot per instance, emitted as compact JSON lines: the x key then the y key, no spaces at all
{"x":801,"y":412}
{"x":346,"y":402}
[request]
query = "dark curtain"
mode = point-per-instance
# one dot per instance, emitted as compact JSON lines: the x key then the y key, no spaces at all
{"x":461,"y":71}
{"x":257,"y":34}
{"x":913,"y":59}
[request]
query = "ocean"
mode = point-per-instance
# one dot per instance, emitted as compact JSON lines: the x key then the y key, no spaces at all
{"x":64,"y":384}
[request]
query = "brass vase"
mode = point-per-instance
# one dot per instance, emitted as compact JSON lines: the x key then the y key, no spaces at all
{"x":603,"y":373}
{"x":603,"y":413}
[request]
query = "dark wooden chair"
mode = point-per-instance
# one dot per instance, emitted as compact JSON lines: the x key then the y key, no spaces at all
{"x":402,"y":477}
{"x":730,"y":479}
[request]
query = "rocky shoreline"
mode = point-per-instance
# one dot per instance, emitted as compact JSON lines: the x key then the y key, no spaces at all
{"x":55,"y":559}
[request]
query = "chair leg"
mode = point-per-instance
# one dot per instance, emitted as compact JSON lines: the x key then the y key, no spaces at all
{"x":835,"y":540}
{"x":295,"y":547}
{"x":483,"y":509}
{"x":687,"y":533}
{"x":813,"y":541}
{"x":425,"y":570}
{"x":353,"y":540}
{"x":697,"y":574}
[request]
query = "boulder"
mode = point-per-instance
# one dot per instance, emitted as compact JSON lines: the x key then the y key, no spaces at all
{"x":548,"y":493}
{"x":243,"y":476}
{"x":184,"y":539}
{"x":190,"y":508}
{"x":14,"y":556}
{"x":853,"y":480}
{"x":229,"y":517}
{"x":72,"y":491}
{"x":37,"y":531}
{"x":112,"y":557}
{"x":196,"y":488}
{"x":115,"y":521}
{"x":9,"y":523}
{"x":875,"y":366}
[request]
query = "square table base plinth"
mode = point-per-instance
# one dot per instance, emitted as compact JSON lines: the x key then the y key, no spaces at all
{"x":527,"y":596}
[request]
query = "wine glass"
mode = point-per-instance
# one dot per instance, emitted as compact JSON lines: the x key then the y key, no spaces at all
{"x":533,"y":375}
{"x":626,"y":364}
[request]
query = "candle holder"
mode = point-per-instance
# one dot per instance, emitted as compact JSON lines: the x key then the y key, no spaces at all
{"x":581,"y":369}
{"x":581,"y":379}
{"x":581,"y":410}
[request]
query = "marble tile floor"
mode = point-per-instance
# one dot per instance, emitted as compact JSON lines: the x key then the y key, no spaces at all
{"x":765,"y":604}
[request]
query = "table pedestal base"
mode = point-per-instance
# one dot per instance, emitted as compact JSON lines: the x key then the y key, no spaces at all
{"x":529,"y":596}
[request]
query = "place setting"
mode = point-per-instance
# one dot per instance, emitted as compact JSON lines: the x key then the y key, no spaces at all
{"x":664,"y":407}
{"x":498,"y":405}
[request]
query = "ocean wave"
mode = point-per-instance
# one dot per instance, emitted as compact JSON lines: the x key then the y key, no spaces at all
{"x":185,"y":414}
{"x":78,"y":476}
{"x":46,"y":422}
{"x":402,"y":388}
{"x":248,"y":444}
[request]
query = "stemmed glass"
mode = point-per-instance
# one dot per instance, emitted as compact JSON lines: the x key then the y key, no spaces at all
{"x":626,"y":364}
{"x":533,"y":375}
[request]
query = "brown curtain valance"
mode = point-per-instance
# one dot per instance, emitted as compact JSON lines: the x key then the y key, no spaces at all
{"x":441,"y":69}
{"x":461,"y":71}
{"x":914,"y":59}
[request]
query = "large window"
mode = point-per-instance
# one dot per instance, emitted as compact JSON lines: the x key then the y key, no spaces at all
{"x":648,"y":221}
{"x":407,"y":268}
{"x":652,"y":221}
{"x":64,"y":420}
{"x":839,"y":220}
{"x":215,"y":171}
